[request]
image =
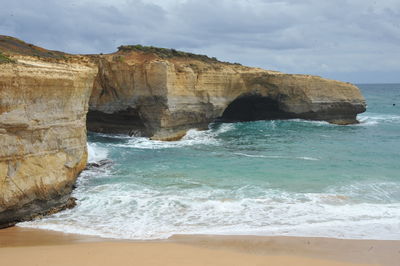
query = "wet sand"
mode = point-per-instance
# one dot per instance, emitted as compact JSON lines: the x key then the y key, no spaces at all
{"x":22,"y":246}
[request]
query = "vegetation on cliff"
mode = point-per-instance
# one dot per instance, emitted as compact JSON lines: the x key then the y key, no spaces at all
{"x":164,"y":52}
{"x":169,"y":53}
{"x":4,"y":59}
{"x":15,"y":46}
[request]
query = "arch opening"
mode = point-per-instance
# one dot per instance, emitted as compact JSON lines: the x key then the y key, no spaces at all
{"x":253,"y":107}
{"x":126,"y":121}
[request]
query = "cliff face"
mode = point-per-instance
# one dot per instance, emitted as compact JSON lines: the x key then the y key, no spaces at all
{"x":141,"y":93}
{"x":154,"y":92}
{"x":43,"y":105}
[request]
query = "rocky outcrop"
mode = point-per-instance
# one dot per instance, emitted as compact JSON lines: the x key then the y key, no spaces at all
{"x":161,"y":96}
{"x":154,"y":92}
{"x":43,"y":105}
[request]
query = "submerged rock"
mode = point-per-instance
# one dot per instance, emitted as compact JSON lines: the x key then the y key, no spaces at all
{"x":101,"y":163}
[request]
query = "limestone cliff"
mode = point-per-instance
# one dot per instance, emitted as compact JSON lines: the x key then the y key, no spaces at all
{"x":154,"y":92}
{"x":161,"y":95}
{"x":43,"y":103}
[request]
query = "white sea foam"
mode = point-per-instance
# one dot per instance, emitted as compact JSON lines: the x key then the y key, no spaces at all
{"x":365,"y":119}
{"x":192,"y":137}
{"x":370,"y":119}
{"x":276,"y":156}
{"x":96,"y":153}
{"x":382,"y":192}
{"x":308,"y":158}
{"x":255,"y":155}
{"x":128,"y":211}
{"x":321,"y":123}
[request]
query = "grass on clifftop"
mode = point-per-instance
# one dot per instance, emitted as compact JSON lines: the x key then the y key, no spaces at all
{"x":15,"y":46}
{"x":168,"y":53}
{"x":4,"y":59}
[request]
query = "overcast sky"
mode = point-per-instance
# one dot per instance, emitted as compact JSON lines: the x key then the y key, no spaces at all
{"x":354,"y":40}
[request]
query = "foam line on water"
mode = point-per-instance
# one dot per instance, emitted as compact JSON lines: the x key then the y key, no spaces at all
{"x":129,"y":211}
{"x":308,"y":158}
{"x":370,"y":119}
{"x":321,"y":123}
{"x":166,"y":197}
{"x":276,"y":156}
{"x":379,"y":192}
{"x":192,"y":137}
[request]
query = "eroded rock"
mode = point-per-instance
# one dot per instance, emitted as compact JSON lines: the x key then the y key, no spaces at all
{"x":142,"y":93}
{"x":158,"y":93}
{"x":43,"y":105}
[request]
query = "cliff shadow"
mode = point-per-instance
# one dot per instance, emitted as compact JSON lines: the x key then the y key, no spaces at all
{"x":253,"y":107}
{"x":127,"y":122}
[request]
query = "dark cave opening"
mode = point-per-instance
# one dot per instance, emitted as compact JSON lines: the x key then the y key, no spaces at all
{"x":253,"y":107}
{"x":127,"y":122}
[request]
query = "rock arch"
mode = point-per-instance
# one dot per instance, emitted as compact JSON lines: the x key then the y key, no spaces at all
{"x":253,"y":107}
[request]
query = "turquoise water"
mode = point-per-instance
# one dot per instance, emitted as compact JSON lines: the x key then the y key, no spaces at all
{"x":266,"y":178}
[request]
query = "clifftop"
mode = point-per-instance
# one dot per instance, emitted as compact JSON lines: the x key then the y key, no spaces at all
{"x":13,"y":46}
{"x":166,"y":53}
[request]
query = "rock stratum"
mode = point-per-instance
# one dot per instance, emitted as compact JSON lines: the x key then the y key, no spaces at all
{"x":162,"y":93}
{"x":43,"y":105}
{"x":143,"y":91}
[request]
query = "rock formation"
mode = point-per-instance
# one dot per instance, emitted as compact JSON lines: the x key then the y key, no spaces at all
{"x":147,"y":91}
{"x":43,"y":103}
{"x":162,"y":93}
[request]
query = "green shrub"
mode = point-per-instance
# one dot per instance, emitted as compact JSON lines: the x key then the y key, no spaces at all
{"x":4,"y":59}
{"x":165,"y":52}
{"x":119,"y":58}
{"x":170,"y":53}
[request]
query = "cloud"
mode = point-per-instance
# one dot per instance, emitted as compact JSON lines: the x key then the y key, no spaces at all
{"x":80,"y":27}
{"x":338,"y":38}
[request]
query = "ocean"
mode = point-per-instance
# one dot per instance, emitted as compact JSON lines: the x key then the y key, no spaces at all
{"x":293,"y":177}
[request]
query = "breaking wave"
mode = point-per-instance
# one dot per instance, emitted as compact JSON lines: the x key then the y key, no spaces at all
{"x":296,"y":177}
{"x":192,"y":137}
{"x":129,"y":211}
{"x":371,"y":119}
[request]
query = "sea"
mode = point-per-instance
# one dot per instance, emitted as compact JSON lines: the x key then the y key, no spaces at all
{"x":267,"y":178}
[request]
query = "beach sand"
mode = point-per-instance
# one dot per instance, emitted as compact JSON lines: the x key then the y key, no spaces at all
{"x":24,"y":246}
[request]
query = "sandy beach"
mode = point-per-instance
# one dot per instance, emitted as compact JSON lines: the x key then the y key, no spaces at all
{"x":22,"y":246}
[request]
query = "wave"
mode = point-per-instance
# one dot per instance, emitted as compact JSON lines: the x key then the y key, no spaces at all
{"x":378,"y":192}
{"x":365,"y":119}
{"x":370,"y":119}
{"x":96,"y":153}
{"x":129,"y":211}
{"x":276,"y":157}
{"x":314,"y":122}
{"x":119,"y":202}
{"x":192,"y":137}
{"x":308,"y":158}
{"x":113,"y":211}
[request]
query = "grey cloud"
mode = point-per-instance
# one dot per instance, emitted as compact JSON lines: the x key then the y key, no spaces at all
{"x":309,"y":36}
{"x":78,"y":27}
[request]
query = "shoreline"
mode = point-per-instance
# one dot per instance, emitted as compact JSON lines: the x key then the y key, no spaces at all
{"x":192,"y":249}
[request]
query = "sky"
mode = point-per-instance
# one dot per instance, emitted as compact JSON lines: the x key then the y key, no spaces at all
{"x":350,"y":40}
